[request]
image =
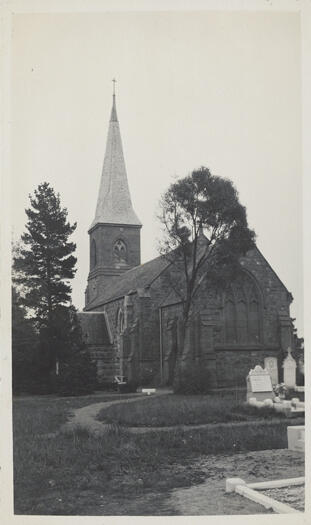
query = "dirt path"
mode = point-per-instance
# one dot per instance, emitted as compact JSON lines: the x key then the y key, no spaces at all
{"x":85,"y":417}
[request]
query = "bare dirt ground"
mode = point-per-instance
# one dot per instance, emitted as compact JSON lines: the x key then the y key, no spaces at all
{"x":210,"y":498}
{"x":293,"y":496}
{"x":201,"y":499}
{"x":207,"y":498}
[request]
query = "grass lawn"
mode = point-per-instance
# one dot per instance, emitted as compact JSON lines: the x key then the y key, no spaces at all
{"x":172,"y":410}
{"x":119,"y":472}
{"x":45,"y":414}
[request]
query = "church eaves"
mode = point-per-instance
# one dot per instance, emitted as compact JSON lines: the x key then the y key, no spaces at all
{"x":114,"y":205}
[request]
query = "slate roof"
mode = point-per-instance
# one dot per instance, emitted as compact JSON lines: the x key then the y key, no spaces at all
{"x":139,"y":277}
{"x":114,"y":205}
{"x":94,"y":327}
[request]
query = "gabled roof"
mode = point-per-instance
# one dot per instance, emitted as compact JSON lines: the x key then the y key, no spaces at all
{"x":139,"y":277}
{"x":142,"y":277}
{"x":94,"y":327}
{"x":273,"y":271}
{"x":114,"y":205}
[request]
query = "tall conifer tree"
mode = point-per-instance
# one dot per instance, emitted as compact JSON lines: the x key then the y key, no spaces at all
{"x":45,"y":264}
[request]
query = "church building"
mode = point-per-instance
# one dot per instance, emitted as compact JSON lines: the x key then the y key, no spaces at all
{"x":132,"y":320}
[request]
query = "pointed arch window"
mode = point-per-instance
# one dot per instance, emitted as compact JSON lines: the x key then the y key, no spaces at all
{"x":241,"y":310}
{"x":93,"y":254}
{"x":230,"y":320}
{"x":120,"y":321}
{"x":254,"y":321}
{"x":242,"y":313}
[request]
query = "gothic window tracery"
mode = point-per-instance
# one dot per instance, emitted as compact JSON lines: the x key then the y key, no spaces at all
{"x":120,"y":252}
{"x":230,"y":319}
{"x":242,"y":312}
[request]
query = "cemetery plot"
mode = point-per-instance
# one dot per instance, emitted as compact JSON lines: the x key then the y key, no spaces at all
{"x":282,"y":496}
{"x":259,"y":384}
{"x":293,"y":496}
{"x":271,"y":365}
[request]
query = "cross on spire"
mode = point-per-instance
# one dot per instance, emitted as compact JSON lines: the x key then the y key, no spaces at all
{"x":114,"y":85}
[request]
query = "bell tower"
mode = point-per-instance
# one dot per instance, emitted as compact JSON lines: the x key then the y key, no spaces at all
{"x":115,"y":231}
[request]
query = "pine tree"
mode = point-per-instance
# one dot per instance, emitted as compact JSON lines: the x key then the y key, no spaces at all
{"x":44,"y":263}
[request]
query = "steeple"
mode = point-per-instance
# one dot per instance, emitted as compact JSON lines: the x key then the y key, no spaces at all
{"x":115,"y":232}
{"x":114,"y":205}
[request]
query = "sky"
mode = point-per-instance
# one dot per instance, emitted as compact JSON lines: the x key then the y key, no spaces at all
{"x":218,"y":89}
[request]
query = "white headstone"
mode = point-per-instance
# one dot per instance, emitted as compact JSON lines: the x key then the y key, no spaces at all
{"x":259,"y":384}
{"x":289,"y":370}
{"x":271,"y":365}
{"x":296,"y":438}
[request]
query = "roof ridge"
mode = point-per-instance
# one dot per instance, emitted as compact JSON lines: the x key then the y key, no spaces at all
{"x":127,"y":281}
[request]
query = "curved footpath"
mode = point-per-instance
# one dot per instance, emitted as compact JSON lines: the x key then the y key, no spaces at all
{"x":86,"y":418}
{"x":209,"y":497}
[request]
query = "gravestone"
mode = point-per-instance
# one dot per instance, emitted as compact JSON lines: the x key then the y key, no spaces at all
{"x":271,"y":365}
{"x":296,"y":438}
{"x":259,"y":384}
{"x":289,"y":370}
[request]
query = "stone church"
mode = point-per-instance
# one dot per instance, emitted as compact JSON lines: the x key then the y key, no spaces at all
{"x":132,"y":320}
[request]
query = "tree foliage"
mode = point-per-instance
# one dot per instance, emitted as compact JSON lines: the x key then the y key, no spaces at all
{"x":205,"y":233}
{"x":76,"y":371}
{"x":24,"y":345}
{"x":44,"y":263}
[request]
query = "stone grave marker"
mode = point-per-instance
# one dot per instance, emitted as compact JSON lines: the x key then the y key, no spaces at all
{"x":259,"y":384}
{"x":271,"y":365}
{"x":289,"y":370}
{"x":296,"y":438}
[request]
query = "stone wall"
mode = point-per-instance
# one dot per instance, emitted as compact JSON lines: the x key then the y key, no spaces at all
{"x":276,"y":299}
{"x":107,"y":366}
{"x":230,"y":361}
{"x":103,"y":237}
{"x":207,"y":333}
{"x":233,"y":366}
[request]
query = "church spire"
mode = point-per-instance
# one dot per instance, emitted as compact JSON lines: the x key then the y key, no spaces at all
{"x":114,"y":117}
{"x":114,"y":205}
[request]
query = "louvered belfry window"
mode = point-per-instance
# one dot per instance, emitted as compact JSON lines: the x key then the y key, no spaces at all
{"x":120,"y":251}
{"x":93,"y":254}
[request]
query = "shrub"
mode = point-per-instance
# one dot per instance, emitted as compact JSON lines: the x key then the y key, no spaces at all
{"x":300,"y":378}
{"x":128,"y":388}
{"x":191,"y":380}
{"x":77,"y":376}
{"x":291,"y":392}
{"x":148,"y":377}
